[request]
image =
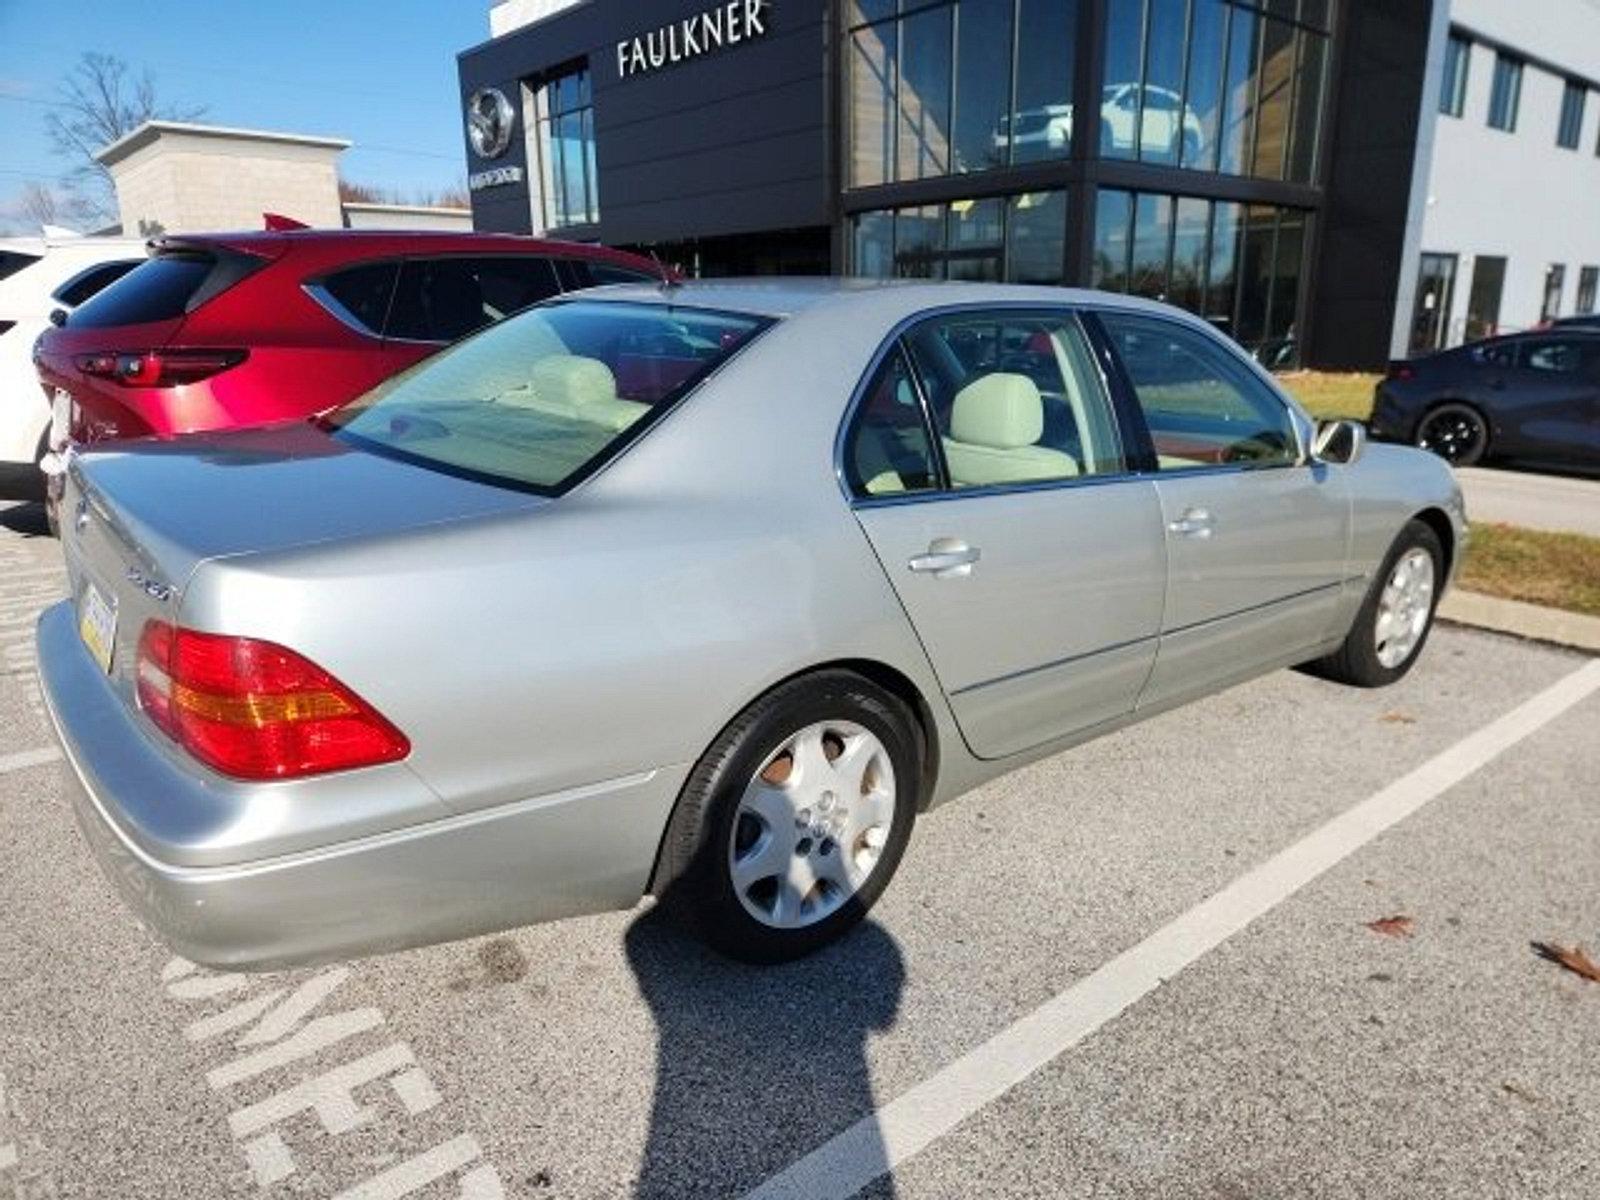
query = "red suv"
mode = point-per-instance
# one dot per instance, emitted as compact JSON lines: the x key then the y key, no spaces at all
{"x":229,"y":330}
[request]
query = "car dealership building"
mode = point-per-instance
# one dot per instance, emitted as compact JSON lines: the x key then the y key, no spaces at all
{"x":1266,"y":163}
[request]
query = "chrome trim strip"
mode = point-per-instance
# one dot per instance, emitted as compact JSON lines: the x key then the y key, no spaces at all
{"x":1060,"y":662}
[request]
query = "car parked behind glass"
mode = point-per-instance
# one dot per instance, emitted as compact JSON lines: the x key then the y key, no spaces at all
{"x":1533,"y":397}
{"x":706,"y":591}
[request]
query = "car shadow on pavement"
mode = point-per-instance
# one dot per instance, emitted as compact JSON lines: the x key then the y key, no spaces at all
{"x":27,"y":519}
{"x":755,"y":1066}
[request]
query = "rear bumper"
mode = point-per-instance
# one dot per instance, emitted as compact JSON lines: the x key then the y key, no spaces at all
{"x":583,"y":850}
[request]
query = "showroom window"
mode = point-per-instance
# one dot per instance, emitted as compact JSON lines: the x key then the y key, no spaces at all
{"x":955,"y":87}
{"x":1588,"y":284}
{"x":1016,"y":239}
{"x":1453,"y":93}
{"x":1506,"y":94}
{"x":1236,"y":265}
{"x":1214,"y":86}
{"x":1570,"y":128}
{"x":564,"y":120}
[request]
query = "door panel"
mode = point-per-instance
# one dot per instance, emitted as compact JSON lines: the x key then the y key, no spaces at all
{"x":1257,"y":580}
{"x":1052,"y":629}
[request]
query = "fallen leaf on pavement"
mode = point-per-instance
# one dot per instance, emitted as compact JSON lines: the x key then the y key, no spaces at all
{"x":1395,"y":926}
{"x":1398,"y":718}
{"x":1574,"y":960}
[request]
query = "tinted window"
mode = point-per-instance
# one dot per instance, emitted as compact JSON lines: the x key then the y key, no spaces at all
{"x":158,"y":289}
{"x":603,"y":273}
{"x":1553,"y":356}
{"x":12,"y":261}
{"x":86,"y":283}
{"x":539,"y":401}
{"x":360,"y":295}
{"x":443,"y":299}
{"x":888,"y":450}
{"x":1202,"y":406}
{"x":1015,"y":398}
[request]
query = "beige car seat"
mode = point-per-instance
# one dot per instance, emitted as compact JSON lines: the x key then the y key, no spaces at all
{"x":995,"y":425}
{"x":578,"y":388}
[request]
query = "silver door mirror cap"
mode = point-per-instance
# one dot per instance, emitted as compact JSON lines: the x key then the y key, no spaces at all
{"x":1339,"y":442}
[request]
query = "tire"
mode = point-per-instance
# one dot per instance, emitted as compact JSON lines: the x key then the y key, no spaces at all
{"x":1366,"y":660}
{"x":1456,"y":432}
{"x":744,"y":816}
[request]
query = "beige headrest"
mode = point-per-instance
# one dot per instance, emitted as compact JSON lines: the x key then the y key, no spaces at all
{"x":571,"y":381}
{"x":1002,"y":410}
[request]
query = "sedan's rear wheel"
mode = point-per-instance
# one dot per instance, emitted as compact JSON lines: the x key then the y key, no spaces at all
{"x":1457,"y":433}
{"x":793,"y":821}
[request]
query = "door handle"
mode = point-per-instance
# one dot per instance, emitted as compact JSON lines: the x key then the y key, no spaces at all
{"x":946,"y":558}
{"x":1195,"y":523}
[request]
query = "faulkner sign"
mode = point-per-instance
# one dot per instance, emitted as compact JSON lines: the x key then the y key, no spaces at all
{"x":725,"y":25}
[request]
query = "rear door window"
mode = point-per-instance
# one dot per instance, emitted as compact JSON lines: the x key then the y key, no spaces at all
{"x":444,"y":299}
{"x":359,"y":296}
{"x":96,"y":278}
{"x":158,"y":289}
{"x":1552,"y":356}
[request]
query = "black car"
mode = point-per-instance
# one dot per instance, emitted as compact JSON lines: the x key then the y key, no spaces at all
{"x":1587,"y":321}
{"x":1530,"y":396}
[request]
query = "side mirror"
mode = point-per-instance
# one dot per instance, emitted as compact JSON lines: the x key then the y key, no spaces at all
{"x":1339,"y":442}
{"x":58,"y":317}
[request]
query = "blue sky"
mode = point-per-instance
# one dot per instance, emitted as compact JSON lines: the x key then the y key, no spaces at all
{"x":380,"y":74}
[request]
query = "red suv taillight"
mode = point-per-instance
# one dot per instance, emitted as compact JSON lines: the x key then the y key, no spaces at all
{"x":158,"y":368}
{"x":256,"y":710}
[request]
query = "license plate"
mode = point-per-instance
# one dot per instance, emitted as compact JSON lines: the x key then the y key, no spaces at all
{"x":97,"y":625}
{"x":60,"y":418}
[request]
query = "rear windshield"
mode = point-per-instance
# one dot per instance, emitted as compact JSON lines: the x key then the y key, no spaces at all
{"x":164,"y":288}
{"x":541,"y":400}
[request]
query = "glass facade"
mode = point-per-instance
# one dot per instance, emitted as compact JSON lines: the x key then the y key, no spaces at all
{"x":938,"y":91}
{"x":1214,"y":86}
{"x":1016,"y":239}
{"x":1237,"y":265}
{"x":564,"y":143}
{"x":950,"y":88}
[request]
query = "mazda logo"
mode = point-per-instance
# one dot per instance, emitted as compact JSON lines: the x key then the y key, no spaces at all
{"x":490,"y":118}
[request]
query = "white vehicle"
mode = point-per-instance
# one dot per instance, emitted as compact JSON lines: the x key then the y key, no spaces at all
{"x":37,"y":276}
{"x":1168,"y":125}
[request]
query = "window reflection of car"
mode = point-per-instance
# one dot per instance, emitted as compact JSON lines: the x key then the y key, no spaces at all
{"x":1167,"y":124}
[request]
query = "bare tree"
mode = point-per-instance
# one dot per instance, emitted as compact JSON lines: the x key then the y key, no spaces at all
{"x":98,"y":102}
{"x":38,"y":203}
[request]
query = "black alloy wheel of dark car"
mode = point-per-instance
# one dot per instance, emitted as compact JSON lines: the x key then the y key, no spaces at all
{"x":1455,"y":432}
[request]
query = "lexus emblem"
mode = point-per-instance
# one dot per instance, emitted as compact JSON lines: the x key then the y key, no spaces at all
{"x":490,"y":118}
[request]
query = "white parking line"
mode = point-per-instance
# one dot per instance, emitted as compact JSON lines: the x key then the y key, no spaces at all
{"x":907,"y":1124}
{"x":28,"y":758}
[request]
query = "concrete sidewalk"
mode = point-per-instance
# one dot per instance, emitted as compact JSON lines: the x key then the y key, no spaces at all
{"x":1557,"y":503}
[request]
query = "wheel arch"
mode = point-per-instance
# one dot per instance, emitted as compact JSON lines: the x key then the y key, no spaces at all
{"x":1437,"y":520}
{"x":890,"y":679}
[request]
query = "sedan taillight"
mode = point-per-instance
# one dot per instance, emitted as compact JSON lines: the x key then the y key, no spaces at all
{"x":158,"y":368}
{"x":256,"y":710}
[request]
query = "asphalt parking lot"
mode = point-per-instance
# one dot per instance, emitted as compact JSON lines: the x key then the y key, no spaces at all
{"x":1144,"y":967}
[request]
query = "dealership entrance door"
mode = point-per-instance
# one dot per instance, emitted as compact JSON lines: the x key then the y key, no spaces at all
{"x":1436,"y":290}
{"x":776,"y":252}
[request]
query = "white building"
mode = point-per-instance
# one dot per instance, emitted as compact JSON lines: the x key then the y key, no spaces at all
{"x":1506,"y":195}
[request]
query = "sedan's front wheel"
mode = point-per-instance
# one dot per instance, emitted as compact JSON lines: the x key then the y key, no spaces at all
{"x":792,"y":823}
{"x":1396,"y":616}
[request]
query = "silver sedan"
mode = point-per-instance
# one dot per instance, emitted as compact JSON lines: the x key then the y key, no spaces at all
{"x":706,"y":591}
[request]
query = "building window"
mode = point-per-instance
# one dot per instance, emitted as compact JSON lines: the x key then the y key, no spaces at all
{"x":1018,"y":239}
{"x":564,"y":124}
{"x":1555,"y":278}
{"x":1238,"y":266}
{"x":1453,"y":93}
{"x":1570,"y":130}
{"x":1430,"y":314}
{"x":1214,"y":85}
{"x":1506,"y":94}
{"x":1588,"y":284}
{"x":955,"y":87}
{"x":1483,"y":299}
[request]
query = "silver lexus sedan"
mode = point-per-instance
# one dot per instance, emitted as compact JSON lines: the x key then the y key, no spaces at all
{"x":706,"y":591}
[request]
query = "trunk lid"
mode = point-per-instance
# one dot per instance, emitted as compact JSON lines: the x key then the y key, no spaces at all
{"x":138,"y":517}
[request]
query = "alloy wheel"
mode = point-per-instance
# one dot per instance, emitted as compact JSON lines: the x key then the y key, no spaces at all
{"x":812,"y":824}
{"x":1455,"y":433}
